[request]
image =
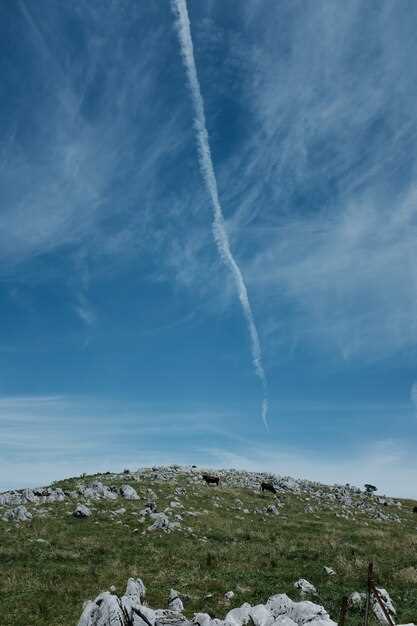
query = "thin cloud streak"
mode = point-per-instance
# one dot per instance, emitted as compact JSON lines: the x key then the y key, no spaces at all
{"x":207,"y":171}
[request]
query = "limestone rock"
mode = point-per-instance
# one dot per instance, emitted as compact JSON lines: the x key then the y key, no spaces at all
{"x":170,"y":618}
{"x":271,"y":508}
{"x":284,"y":620}
{"x":238,"y":616}
{"x":145,"y":616}
{"x":18,"y":514}
{"x":261,"y":615}
{"x":202,"y":619}
{"x":82,"y":511}
{"x":329,"y":571}
{"x":305,"y":612}
{"x":162,"y":522}
{"x":357,"y":600}
{"x":175,"y":602}
{"x":90,"y":614}
{"x":129,"y":493}
{"x":97,"y":491}
{"x":305,"y":587}
{"x":377,"y":610}
{"x":279,"y":604}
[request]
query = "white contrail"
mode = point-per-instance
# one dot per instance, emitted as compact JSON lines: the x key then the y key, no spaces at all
{"x":179,"y":8}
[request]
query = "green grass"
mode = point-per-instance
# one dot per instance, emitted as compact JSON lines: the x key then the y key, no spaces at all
{"x":254,"y":555}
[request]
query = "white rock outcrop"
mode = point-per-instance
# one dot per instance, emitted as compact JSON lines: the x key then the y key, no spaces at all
{"x":280,"y":604}
{"x":305,"y":587}
{"x":110,"y":610}
{"x":18,"y":514}
{"x":97,"y":491}
{"x":129,"y":493}
{"x":238,"y":616}
{"x":329,"y":571}
{"x":82,"y":511}
{"x":389,"y":607}
{"x":175,"y":602}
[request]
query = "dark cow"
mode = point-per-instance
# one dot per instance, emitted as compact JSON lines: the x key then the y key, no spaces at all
{"x":414,"y":509}
{"x":211,"y":480}
{"x":268,"y":487}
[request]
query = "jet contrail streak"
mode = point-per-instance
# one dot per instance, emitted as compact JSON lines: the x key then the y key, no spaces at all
{"x":221,"y":238}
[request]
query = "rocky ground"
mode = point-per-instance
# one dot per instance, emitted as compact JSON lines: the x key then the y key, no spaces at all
{"x":222,"y":547}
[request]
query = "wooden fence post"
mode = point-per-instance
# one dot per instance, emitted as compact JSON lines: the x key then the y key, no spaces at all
{"x":369,"y":592}
{"x":343,"y":611}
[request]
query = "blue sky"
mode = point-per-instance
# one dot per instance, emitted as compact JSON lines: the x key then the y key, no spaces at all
{"x":123,"y":341}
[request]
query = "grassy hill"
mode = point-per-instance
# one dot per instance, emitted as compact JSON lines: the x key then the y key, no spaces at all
{"x":227,"y":540}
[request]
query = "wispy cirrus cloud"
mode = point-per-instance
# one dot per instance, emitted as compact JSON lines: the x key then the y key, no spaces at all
{"x":349,"y":277}
{"x":322,"y":209}
{"x":78,"y":168}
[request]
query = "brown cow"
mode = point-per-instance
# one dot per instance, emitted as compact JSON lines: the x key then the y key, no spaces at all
{"x":211,"y":480}
{"x":268,"y":487}
{"x":414,"y":509}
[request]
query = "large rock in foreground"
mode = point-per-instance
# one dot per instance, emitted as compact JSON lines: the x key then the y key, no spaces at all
{"x":110,"y":610}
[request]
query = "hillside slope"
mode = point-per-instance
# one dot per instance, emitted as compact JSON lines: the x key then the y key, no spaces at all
{"x":167,"y":526}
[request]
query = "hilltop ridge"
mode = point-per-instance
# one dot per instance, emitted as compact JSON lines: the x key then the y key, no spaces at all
{"x":64,"y":543}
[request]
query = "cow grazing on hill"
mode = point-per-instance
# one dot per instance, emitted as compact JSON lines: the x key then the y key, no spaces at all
{"x":414,"y":509}
{"x":268,"y":487}
{"x":211,"y":480}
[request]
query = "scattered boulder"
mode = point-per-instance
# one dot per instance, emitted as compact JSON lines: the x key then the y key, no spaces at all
{"x":118,"y":512}
{"x":272,"y":509}
{"x":106,"y":610}
{"x":175,"y":602}
{"x":109,"y":610}
{"x":261,"y":615}
{"x":33,"y":496}
{"x":135,"y":588}
{"x":202,"y":619}
{"x":284,"y":620}
{"x":329,"y":571}
{"x":305,"y":587}
{"x":97,"y":491}
{"x":162,"y":522}
{"x":166,"y":617}
{"x":288,"y":484}
{"x":90,"y":614}
{"x":18,"y":514}
{"x":344,"y":500}
{"x":143,"y":616}
{"x":82,"y":511}
{"x":279,"y":604}
{"x":308,"y":612}
{"x":129,"y":493}
{"x":357,"y":600}
{"x":238,"y":616}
